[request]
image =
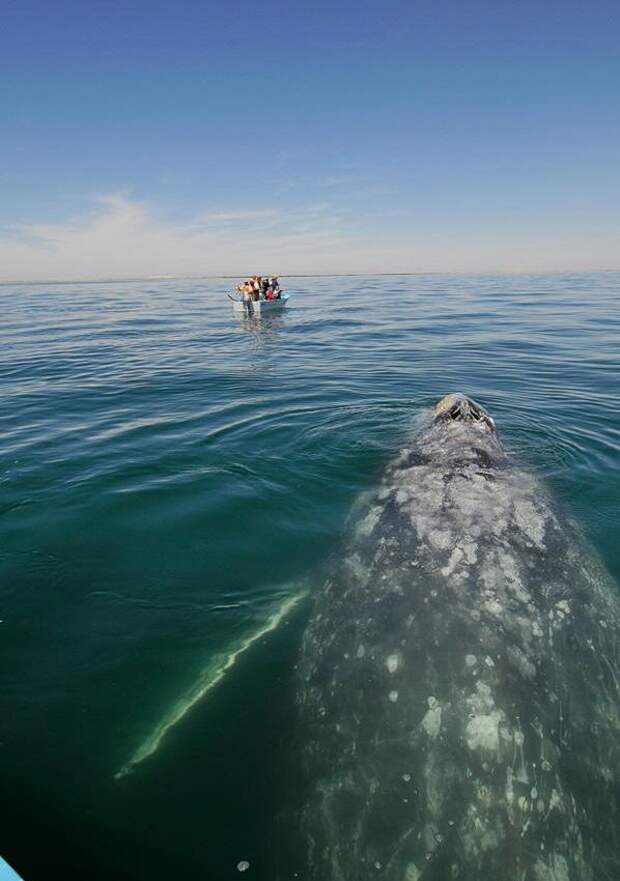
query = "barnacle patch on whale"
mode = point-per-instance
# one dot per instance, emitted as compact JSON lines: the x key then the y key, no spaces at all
{"x":432,"y":719}
{"x":483,"y":727}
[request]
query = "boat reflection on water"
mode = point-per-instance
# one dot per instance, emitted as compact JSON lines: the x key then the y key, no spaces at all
{"x":263,"y":329}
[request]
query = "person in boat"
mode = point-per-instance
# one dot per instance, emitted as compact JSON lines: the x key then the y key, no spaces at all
{"x":250,"y":287}
{"x":257,"y":287}
{"x":246,"y":290}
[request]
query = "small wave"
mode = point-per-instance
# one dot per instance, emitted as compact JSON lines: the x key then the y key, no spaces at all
{"x":145,"y":603}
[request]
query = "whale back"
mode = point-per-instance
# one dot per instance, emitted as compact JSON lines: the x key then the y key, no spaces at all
{"x":458,"y":685}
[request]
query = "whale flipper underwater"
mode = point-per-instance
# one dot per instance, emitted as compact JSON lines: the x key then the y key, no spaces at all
{"x":459,"y":680}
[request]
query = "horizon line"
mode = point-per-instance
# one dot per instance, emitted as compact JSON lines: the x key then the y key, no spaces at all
{"x":168,"y":278}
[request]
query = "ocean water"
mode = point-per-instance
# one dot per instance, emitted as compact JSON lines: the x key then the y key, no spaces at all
{"x":173,"y":482}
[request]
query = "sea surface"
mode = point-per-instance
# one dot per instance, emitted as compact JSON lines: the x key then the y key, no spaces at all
{"x":174,"y":480}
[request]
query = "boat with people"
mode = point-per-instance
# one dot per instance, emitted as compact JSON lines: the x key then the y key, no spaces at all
{"x":258,"y":295}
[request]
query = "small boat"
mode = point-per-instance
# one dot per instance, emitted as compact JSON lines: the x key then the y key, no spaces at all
{"x":258,"y":307}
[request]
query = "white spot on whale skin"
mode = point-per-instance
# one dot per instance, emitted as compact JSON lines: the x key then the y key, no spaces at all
{"x":393,"y":696}
{"x":510,"y":572}
{"x":411,"y":873}
{"x":557,"y":870}
{"x":393,"y":662}
{"x":493,"y":607}
{"x":359,"y":571}
{"x":361,"y":651}
{"x":455,"y":558}
{"x":555,"y":801}
{"x":509,"y":787}
{"x":520,"y":662}
{"x":483,"y":731}
{"x":470,"y":660}
{"x":530,"y":522}
{"x":470,"y":549}
{"x":369,"y":522}
{"x":483,"y":728}
{"x":441,"y":539}
{"x":432,"y":719}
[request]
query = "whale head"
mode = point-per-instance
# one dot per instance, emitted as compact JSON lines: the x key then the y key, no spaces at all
{"x":458,"y":409}
{"x":461,"y":430}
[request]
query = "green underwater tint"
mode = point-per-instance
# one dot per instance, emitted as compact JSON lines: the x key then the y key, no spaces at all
{"x":175,"y":480}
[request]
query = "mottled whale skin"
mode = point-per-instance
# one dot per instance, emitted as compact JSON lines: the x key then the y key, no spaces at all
{"x":458,"y":684}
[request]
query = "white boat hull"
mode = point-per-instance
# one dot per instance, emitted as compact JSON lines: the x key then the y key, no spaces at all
{"x":260,"y":307}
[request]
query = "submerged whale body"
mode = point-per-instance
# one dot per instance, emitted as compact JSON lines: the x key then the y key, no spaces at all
{"x":459,"y":678}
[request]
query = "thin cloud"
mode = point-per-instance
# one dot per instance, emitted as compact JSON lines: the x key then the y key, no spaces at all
{"x":121,"y":237}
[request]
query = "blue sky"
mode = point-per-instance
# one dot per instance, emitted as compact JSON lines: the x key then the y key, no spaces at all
{"x":145,"y":138}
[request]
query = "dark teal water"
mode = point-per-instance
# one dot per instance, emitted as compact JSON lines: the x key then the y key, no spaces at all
{"x":171,"y":473}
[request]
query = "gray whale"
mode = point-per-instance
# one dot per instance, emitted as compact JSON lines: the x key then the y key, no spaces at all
{"x":459,"y":680}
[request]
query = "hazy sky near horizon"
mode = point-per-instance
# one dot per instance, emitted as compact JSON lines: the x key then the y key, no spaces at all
{"x":148,"y":138}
